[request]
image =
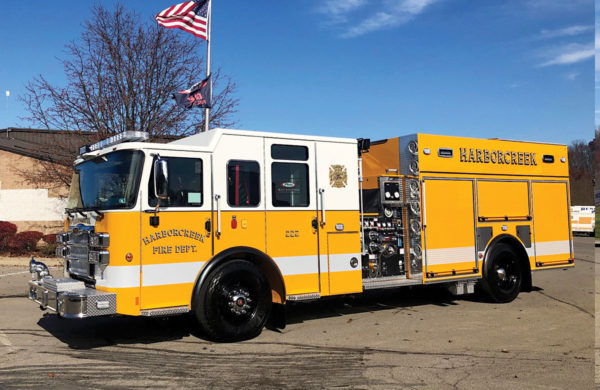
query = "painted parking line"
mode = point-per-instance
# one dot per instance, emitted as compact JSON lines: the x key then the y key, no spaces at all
{"x":20,"y":273}
{"x":6,"y":342}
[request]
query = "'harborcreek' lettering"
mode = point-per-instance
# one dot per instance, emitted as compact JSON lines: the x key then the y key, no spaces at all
{"x":161,"y":250}
{"x":496,"y":157}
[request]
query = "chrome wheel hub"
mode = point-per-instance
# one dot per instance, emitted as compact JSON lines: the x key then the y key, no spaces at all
{"x":501,"y":274}
{"x":239,"y":301}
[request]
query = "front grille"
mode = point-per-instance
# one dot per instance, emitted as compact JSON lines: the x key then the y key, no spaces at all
{"x":77,"y":253}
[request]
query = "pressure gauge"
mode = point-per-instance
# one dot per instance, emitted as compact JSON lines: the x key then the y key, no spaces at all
{"x":389,"y":213}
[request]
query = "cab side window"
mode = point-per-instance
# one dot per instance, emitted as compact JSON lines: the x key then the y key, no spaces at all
{"x":243,"y":183}
{"x":185,"y":183}
{"x":289,"y":180}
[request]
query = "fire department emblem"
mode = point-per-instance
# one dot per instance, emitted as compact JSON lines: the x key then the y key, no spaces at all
{"x":338,"y":176}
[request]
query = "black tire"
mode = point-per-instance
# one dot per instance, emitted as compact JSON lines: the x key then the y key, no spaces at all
{"x":234,"y":302}
{"x":502,"y":274}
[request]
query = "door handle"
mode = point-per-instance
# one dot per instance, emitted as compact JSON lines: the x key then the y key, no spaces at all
{"x":314,"y":223}
{"x":207,"y":227}
{"x":321,"y":191}
{"x":218,"y":232}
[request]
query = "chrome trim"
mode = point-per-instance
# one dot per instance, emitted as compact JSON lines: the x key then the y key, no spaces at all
{"x":165,"y":311}
{"x":303,"y":297}
{"x":99,"y":240}
{"x":98,"y":257}
{"x":392,"y":281}
{"x":70,"y":298}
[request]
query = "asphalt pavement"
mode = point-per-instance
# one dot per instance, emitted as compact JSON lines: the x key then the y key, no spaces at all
{"x":420,"y":338}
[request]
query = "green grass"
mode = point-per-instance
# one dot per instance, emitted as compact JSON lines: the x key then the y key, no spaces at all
{"x":597,"y":229}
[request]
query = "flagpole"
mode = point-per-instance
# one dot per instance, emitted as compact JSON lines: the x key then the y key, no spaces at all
{"x":208,"y":39}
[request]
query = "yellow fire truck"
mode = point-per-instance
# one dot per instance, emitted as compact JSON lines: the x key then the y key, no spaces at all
{"x":231,"y":224}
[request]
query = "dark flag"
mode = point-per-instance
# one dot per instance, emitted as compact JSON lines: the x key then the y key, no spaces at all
{"x":191,"y":16}
{"x":197,"y":96}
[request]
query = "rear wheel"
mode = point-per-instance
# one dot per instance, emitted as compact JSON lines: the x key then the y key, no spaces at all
{"x":503,"y":274}
{"x":234,"y":302}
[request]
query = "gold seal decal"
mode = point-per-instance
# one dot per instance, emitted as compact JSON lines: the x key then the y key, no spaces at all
{"x":338,"y":176}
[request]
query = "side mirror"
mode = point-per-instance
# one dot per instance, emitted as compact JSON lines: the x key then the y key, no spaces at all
{"x":161,"y":179}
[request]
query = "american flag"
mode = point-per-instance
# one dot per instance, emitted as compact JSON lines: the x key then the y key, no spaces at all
{"x":191,"y":16}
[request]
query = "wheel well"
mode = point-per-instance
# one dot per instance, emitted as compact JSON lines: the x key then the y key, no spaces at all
{"x":518,"y":247}
{"x":261,"y":260}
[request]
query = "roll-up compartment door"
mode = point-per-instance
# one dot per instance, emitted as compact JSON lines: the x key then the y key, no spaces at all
{"x":551,"y":223}
{"x":449,"y":220}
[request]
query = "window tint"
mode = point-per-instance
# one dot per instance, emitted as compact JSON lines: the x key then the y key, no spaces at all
{"x":185,"y":183}
{"x":289,"y":152}
{"x":289,"y":184}
{"x":243,"y":183}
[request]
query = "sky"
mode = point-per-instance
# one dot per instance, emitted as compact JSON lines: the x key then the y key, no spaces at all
{"x":512,"y":69}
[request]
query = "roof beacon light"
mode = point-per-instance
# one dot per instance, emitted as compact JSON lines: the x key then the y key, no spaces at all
{"x":125,"y":136}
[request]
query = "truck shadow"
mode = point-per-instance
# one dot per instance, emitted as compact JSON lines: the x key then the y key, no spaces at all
{"x":99,"y":332}
{"x":88,"y":333}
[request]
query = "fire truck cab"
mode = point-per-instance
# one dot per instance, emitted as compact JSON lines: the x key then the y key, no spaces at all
{"x":228,"y":224}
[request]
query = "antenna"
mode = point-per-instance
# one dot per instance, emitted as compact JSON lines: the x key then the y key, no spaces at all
{"x":7,"y":116}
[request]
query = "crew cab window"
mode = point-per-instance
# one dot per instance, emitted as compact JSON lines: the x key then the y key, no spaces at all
{"x":289,"y":152}
{"x":185,"y":183}
{"x":243,"y":183}
{"x":289,"y":184}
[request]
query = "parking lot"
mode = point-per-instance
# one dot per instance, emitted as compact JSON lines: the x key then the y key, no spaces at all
{"x":421,"y":338}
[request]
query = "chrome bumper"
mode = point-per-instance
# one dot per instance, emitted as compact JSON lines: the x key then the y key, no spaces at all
{"x":69,"y":298}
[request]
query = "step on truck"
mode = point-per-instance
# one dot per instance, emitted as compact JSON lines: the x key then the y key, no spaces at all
{"x":230,"y":225}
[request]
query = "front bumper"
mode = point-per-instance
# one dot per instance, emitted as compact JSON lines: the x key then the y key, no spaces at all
{"x":70,"y":298}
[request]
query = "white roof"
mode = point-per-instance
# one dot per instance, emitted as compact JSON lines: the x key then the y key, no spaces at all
{"x":211,"y":137}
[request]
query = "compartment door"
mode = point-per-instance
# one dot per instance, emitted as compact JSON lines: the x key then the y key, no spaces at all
{"x":551,"y":223}
{"x":291,"y":213}
{"x":449,"y":227}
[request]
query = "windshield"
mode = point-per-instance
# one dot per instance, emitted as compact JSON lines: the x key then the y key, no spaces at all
{"x":107,"y":182}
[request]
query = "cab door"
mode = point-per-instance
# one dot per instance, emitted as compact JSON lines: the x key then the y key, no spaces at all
{"x":238,"y":199}
{"x":176,"y":244}
{"x":339,"y":218}
{"x":292,"y":236}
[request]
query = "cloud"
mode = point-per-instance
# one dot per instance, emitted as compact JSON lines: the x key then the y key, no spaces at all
{"x":571,"y":76}
{"x":337,"y":10}
{"x":569,"y":54}
{"x":385,"y":14}
{"x":558,"y":5}
{"x":566,"y":32}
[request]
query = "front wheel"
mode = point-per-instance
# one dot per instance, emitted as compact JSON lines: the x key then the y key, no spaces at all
{"x":503,"y":275}
{"x":234,"y":302}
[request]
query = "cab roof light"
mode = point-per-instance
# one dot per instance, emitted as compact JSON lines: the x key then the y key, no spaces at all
{"x":125,"y":136}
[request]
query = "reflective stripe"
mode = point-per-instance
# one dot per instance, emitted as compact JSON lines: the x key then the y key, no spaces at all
{"x":300,"y":265}
{"x":464,"y":254}
{"x":340,"y":263}
{"x":119,"y":277}
{"x":174,"y":273}
{"x":297,"y":265}
{"x":153,"y":275}
{"x":552,"y":248}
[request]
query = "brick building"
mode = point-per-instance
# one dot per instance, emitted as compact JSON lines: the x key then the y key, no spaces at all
{"x":28,"y":206}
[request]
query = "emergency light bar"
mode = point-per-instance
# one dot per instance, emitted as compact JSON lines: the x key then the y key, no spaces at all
{"x":125,"y":136}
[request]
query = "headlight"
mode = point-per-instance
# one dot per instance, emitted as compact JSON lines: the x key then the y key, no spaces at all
{"x":98,"y":257}
{"x":61,"y":251}
{"x":63,"y":237}
{"x":99,"y":240}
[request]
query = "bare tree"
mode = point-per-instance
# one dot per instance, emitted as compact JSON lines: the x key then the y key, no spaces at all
{"x":121,"y":74}
{"x":581,"y":171}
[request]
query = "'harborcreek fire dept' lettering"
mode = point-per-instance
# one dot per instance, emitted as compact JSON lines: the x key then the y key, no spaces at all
{"x":496,"y":157}
{"x":161,"y":250}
